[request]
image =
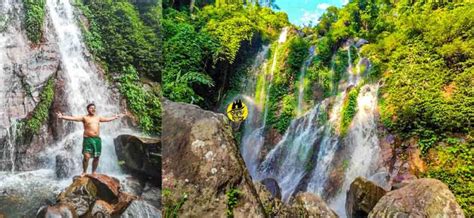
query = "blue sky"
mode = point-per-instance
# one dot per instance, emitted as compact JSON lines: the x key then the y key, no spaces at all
{"x":303,"y":11}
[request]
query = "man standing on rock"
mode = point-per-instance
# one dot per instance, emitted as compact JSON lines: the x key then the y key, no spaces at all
{"x":92,"y":143}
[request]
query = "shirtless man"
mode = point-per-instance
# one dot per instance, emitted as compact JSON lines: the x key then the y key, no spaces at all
{"x":92,"y":143}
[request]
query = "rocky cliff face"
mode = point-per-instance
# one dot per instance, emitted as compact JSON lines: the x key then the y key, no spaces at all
{"x":24,"y":71}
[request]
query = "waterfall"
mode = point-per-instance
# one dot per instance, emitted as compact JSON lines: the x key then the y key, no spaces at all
{"x":288,"y":161}
{"x":362,"y":143}
{"x":83,"y":84}
{"x":308,"y":151}
{"x":253,"y":137}
{"x":301,"y":81}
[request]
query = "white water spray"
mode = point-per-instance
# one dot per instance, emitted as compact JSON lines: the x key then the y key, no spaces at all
{"x":253,"y":137}
{"x":301,"y":82}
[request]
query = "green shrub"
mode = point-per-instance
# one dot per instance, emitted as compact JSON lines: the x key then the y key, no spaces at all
{"x":34,"y":19}
{"x":454,"y":165}
{"x":144,"y":103}
{"x":349,"y":109}
{"x":233,"y":196}
{"x":31,"y":125}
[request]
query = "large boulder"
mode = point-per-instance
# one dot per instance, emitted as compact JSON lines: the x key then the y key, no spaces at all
{"x":59,"y":210}
{"x":140,"y":208}
{"x":141,"y":156}
{"x":201,"y":164}
{"x":89,"y":196}
{"x":419,"y":198}
{"x":306,"y":204}
{"x":362,"y":197}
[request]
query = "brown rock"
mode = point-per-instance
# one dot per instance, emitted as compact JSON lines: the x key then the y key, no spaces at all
{"x":362,"y":196}
{"x":80,"y":195}
{"x":302,"y":205}
{"x":310,"y":205}
{"x":101,"y":209}
{"x":273,"y":187}
{"x":92,"y":194}
{"x":420,"y":198}
{"x":201,"y":163}
{"x":108,"y":188}
{"x":124,"y":200}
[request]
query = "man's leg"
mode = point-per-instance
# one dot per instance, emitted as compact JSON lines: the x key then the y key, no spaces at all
{"x":95,"y":163}
{"x":85,"y":163}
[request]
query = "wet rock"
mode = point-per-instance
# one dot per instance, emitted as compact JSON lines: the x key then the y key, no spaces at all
{"x":362,"y":196}
{"x":96,"y":193}
{"x":307,"y":204}
{"x":152,"y":195}
{"x":101,"y":209}
{"x":141,"y":156}
{"x":108,"y":188}
{"x":64,"y":166}
{"x":80,"y":194}
{"x":272,"y":137}
{"x":419,"y":198}
{"x":123,"y":202}
{"x":133,"y":186}
{"x":139,"y":208}
{"x":60,"y":210}
{"x":201,"y":163}
{"x":304,"y":204}
{"x":360,"y":42}
{"x":273,"y":187}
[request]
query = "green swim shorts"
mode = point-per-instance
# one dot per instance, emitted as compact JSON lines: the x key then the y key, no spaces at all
{"x":92,"y":145}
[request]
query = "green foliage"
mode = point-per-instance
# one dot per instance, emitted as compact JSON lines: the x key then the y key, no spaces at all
{"x":233,"y":196}
{"x":287,"y":113}
{"x":120,"y":37}
{"x":32,"y":124}
{"x":345,"y":164}
{"x":205,"y":48}
{"x":145,"y":103}
{"x":427,"y":139}
{"x":349,"y":109}
{"x":340,"y":62}
{"x":184,"y":53}
{"x":298,"y":52}
{"x":129,"y":49}
{"x":454,"y":166}
{"x":34,"y":19}
{"x":282,"y":102}
{"x":172,"y":211}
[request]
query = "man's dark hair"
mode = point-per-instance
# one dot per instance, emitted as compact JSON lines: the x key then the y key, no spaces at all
{"x":90,"y":105}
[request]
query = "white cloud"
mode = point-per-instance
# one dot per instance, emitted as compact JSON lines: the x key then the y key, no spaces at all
{"x":323,"y":6}
{"x":310,"y":16}
{"x":344,"y":2}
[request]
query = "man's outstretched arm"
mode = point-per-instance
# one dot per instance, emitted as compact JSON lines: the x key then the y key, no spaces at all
{"x":71,"y":118}
{"x":108,"y":119}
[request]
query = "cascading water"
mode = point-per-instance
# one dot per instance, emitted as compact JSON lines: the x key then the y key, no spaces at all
{"x":83,"y":86}
{"x":301,"y":81}
{"x":362,"y":143}
{"x":307,"y":152}
{"x":287,"y":162}
{"x":253,"y":138}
